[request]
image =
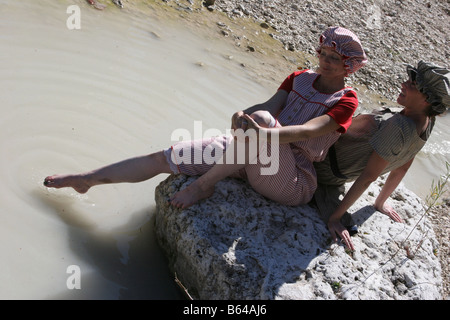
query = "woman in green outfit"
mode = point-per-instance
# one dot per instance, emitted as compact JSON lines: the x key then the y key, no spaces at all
{"x":378,"y":143}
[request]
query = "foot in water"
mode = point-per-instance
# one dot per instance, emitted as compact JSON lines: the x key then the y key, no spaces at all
{"x":190,"y":196}
{"x":77,"y":182}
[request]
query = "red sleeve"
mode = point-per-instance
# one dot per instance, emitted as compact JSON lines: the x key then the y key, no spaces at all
{"x":342,"y":111}
{"x":289,"y":81}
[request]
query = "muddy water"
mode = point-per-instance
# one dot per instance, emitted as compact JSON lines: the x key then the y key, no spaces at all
{"x":74,"y":100}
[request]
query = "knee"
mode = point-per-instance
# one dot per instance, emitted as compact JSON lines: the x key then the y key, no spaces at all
{"x":263,"y":118}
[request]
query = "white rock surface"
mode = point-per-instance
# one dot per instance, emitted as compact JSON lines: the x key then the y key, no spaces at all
{"x":239,"y":245}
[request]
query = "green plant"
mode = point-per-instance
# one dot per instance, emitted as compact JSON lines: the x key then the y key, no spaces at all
{"x":437,"y":190}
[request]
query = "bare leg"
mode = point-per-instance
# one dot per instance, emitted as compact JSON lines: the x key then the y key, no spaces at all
{"x":131,"y":170}
{"x":263,"y":118}
{"x":203,"y":187}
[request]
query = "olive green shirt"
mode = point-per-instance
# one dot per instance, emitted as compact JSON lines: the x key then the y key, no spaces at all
{"x":392,"y":136}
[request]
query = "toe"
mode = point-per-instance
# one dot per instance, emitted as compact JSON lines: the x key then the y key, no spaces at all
{"x":48,"y":181}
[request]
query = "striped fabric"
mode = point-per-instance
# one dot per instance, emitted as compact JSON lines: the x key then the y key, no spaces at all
{"x":392,"y":136}
{"x":305,"y":103}
{"x":347,"y":44}
{"x":434,"y":82}
{"x":294,"y":182}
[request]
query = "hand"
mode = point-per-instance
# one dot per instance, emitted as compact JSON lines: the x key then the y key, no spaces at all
{"x":336,"y":228}
{"x":389,"y":211}
{"x":237,"y":121}
{"x":251,"y":123}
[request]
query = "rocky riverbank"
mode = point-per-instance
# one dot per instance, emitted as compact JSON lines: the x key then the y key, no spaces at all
{"x":393,"y":32}
{"x":282,"y":35}
{"x":239,"y":245}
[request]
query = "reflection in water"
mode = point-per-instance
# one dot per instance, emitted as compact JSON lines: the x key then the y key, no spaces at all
{"x":73,"y":100}
{"x":126,"y":262}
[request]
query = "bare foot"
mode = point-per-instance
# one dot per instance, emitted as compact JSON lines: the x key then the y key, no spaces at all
{"x":190,"y":196}
{"x":77,"y":182}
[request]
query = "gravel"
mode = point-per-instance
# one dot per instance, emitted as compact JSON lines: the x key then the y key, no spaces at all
{"x":393,"y":32}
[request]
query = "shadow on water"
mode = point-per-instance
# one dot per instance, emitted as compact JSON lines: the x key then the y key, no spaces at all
{"x":126,"y":263}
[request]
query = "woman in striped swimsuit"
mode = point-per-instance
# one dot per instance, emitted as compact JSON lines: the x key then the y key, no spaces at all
{"x":307,"y":115}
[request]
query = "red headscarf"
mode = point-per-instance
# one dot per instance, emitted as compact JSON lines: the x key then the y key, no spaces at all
{"x":347,"y":44}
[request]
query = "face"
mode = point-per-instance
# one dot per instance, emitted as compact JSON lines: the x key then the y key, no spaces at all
{"x":410,"y":96}
{"x":331,"y":63}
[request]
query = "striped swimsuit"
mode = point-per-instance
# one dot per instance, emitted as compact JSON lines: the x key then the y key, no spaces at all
{"x":294,"y":181}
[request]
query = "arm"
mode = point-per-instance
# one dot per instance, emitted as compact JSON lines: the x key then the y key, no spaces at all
{"x":338,"y":118}
{"x":374,"y":168}
{"x":313,"y":128}
{"x":273,"y":105}
{"x":392,"y":182}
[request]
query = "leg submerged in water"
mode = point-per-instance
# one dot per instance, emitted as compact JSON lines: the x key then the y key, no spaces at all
{"x":132,"y":170}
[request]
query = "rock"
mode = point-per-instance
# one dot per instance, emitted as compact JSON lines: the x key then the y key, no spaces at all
{"x":239,"y":245}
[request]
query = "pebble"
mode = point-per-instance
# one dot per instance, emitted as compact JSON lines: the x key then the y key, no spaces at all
{"x":386,"y":28}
